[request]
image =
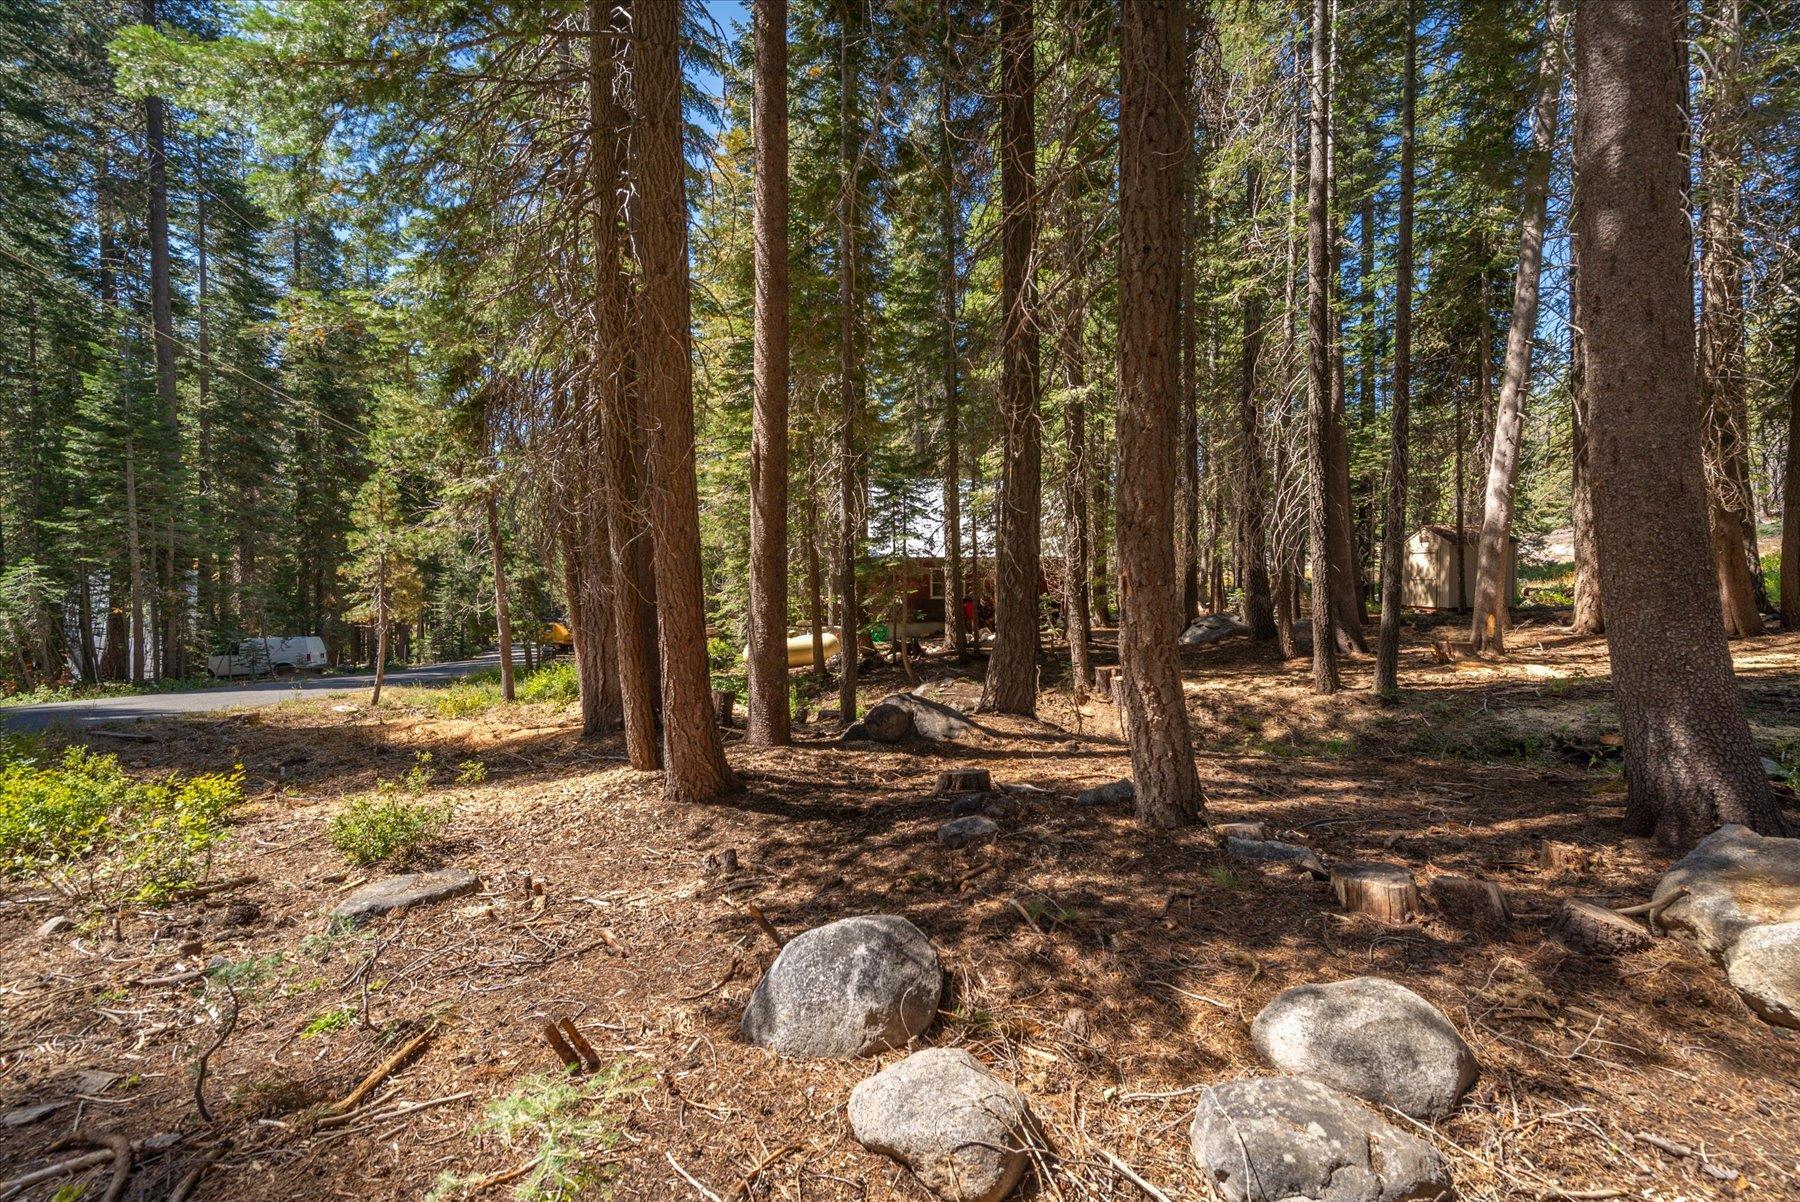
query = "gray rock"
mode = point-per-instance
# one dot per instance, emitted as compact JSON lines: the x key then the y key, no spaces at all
{"x":55,"y":926}
{"x":1212,"y":628}
{"x":1274,"y":851}
{"x":969,"y":803}
{"x":963,"y":832}
{"x":852,"y":987}
{"x":1764,"y":967}
{"x":1736,"y":879}
{"x":392,"y":894}
{"x":1369,"y":1037}
{"x":1119,"y":793}
{"x":902,"y":716}
{"x":1278,"y":1139}
{"x":961,"y":1130}
{"x":26,"y":1115}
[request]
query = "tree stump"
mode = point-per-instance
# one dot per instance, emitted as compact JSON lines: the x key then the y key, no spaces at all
{"x":1598,"y":930}
{"x":1466,"y":897}
{"x":1240,"y":830}
{"x":1103,"y":679}
{"x":1383,"y":891}
{"x":1553,"y":856}
{"x":965,"y":780}
{"x":724,"y":702}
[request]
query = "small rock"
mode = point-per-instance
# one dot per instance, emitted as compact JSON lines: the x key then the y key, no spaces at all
{"x":55,"y":926}
{"x":852,"y":987}
{"x":969,"y":803}
{"x":1369,"y":1037}
{"x":1119,"y":793}
{"x":1271,"y":1139}
{"x":961,"y":1130}
{"x":26,"y":1115}
{"x":395,"y":893}
{"x":964,"y":832}
{"x":96,"y":1080}
{"x":1736,"y":879}
{"x":1276,"y":852}
{"x":1255,"y":831}
{"x":1764,"y":967}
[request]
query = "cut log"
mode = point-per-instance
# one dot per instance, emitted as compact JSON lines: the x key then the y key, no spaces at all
{"x":1598,"y":930}
{"x":724,"y":702}
{"x":1239,"y":830}
{"x":1383,"y":891}
{"x":965,"y":780}
{"x":1553,"y":856}
{"x":1468,"y":898}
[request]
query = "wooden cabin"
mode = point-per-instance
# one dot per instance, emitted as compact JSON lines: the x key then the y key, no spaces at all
{"x":1430,"y":580}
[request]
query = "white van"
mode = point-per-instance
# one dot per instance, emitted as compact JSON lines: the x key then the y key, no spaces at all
{"x":273,"y":655}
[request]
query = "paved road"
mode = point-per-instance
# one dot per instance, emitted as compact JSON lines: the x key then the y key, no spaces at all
{"x":247,"y":695}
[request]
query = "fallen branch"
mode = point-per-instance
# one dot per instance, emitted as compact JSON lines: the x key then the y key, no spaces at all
{"x":226,"y":1027}
{"x":760,"y":919}
{"x":191,"y":1180}
{"x":693,"y":1181}
{"x":1126,"y":1171}
{"x":387,"y":1067}
{"x":730,"y":970}
{"x":590,"y":1059}
{"x":61,"y":1168}
{"x":559,"y":1044}
{"x":749,"y":1181}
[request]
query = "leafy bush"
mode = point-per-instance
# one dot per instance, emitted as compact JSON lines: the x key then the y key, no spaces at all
{"x":82,"y":811}
{"x":383,"y":827}
{"x":553,"y":683}
{"x":723,"y":655}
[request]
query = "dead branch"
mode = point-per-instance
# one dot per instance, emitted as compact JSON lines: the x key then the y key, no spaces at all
{"x":387,"y":1067}
{"x":226,"y":1027}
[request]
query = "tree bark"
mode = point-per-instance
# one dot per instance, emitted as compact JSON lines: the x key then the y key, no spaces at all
{"x":1689,"y":760}
{"x":1587,"y":618}
{"x":162,"y":323}
{"x":1393,"y":522}
{"x":616,"y":403}
{"x":1152,"y":135}
{"x":849,"y":545}
{"x":767,"y":721}
{"x":695,"y":768}
{"x":1790,"y":503}
{"x":1725,"y":430}
{"x":1253,"y":539}
{"x":1011,"y":684}
{"x":953,"y":565}
{"x":1491,"y":600}
{"x":1077,"y":620}
{"x":502,"y":613}
{"x":1318,"y":345}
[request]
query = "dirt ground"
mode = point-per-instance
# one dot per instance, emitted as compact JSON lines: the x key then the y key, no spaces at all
{"x":1109,"y":971}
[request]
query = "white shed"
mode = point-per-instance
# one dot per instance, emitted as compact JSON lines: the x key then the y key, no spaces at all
{"x":1430,"y":580}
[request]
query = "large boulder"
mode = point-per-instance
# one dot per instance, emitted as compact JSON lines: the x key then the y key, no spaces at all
{"x":902,"y":716}
{"x":1764,"y":967}
{"x":852,"y":987}
{"x":1275,"y":1139}
{"x":961,"y":1130}
{"x":1118,"y":793}
{"x":392,"y":894}
{"x":1369,"y":1037}
{"x":967,"y":830}
{"x":1735,"y":879}
{"x":1212,"y":628}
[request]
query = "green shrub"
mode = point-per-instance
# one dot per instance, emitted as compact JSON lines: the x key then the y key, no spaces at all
{"x":86,"y":823}
{"x":551,"y":684}
{"x":723,"y":655}
{"x":383,"y":827}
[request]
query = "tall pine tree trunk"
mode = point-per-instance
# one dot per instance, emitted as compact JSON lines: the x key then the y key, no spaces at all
{"x":1689,"y":761}
{"x":1491,"y":600}
{"x":1393,"y":522}
{"x":1588,"y":617}
{"x":162,"y":323}
{"x":849,"y":545}
{"x":1725,"y":431}
{"x":1152,"y":136}
{"x":768,"y":666}
{"x":615,"y":401}
{"x":1253,"y":535}
{"x":1077,"y":619}
{"x":1011,"y":685}
{"x":954,"y":591}
{"x":694,"y":768}
{"x":502,"y":611}
{"x":1318,"y":347}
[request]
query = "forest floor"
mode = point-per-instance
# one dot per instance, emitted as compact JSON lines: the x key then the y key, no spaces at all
{"x":1108,"y":971}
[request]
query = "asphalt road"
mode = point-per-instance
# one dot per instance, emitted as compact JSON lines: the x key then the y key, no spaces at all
{"x":248,"y":695}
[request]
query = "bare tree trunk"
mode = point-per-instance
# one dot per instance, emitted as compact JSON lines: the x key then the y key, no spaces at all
{"x":162,"y":323}
{"x":1790,"y":501}
{"x":1725,"y":431}
{"x":1318,"y":344}
{"x":953,"y":563}
{"x":1393,"y":523}
{"x":1491,"y":600}
{"x":1152,"y":136}
{"x":1011,"y":685}
{"x":1689,"y":760}
{"x":1187,"y":462}
{"x":849,"y":545}
{"x":767,"y":721}
{"x":502,"y":614}
{"x":615,"y":402}
{"x":695,"y":767}
{"x":1253,"y":542}
{"x":815,"y":606}
{"x":1077,"y":620}
{"x":1100,"y":463}
{"x":1588,"y":617}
